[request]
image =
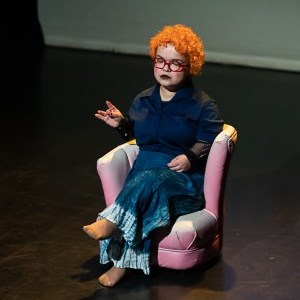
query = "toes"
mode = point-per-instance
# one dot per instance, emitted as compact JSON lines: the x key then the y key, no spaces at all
{"x":105,"y":281}
{"x":112,"y":277}
{"x":90,"y":232}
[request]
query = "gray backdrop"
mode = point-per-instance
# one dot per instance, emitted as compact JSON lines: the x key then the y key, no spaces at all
{"x":262,"y":33}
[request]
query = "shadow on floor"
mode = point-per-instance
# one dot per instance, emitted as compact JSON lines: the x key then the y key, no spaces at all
{"x":163,"y":283}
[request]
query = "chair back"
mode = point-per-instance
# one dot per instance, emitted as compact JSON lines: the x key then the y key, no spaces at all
{"x":217,"y":168}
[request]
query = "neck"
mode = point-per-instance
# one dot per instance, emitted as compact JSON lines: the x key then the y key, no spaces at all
{"x":165,"y":94}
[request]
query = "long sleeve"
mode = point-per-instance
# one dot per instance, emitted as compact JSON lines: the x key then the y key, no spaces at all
{"x":125,"y":129}
{"x":198,"y":153}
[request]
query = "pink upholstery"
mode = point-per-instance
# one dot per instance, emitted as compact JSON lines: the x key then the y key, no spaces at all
{"x":194,"y":238}
{"x":113,"y":169}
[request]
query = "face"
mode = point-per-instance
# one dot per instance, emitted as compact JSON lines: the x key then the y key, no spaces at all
{"x":168,"y":79}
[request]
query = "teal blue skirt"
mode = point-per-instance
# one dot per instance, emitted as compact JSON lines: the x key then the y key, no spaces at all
{"x":153,"y":197}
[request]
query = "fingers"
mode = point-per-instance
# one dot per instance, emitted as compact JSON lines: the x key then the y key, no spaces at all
{"x":109,"y":112}
{"x":179,"y":164}
{"x":101,"y":117}
{"x":110,"y":105}
{"x":112,"y":110}
{"x":111,"y":115}
{"x":177,"y":168}
{"x":175,"y":165}
{"x":100,"y":114}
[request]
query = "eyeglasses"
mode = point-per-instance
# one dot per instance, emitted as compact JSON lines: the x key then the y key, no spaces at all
{"x":174,"y":65}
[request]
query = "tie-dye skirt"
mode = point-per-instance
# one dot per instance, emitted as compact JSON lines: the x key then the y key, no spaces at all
{"x":153,"y":197}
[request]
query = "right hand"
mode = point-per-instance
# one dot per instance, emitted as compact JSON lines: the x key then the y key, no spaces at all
{"x":112,"y":116}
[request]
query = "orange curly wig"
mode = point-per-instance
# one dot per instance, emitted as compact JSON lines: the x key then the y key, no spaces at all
{"x":185,"y":41}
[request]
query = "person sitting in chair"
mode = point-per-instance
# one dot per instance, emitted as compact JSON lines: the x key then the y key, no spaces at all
{"x":174,"y":125}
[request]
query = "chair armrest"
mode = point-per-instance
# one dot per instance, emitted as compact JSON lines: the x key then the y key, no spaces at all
{"x":202,"y":223}
{"x":190,"y":231}
{"x":113,"y":169}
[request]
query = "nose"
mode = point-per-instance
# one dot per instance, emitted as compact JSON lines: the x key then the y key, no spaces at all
{"x":166,"y":67}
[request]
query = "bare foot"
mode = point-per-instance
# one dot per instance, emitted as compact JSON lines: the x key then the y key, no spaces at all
{"x":100,"y":230}
{"x":112,"y":276}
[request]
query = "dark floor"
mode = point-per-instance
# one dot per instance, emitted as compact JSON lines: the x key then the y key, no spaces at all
{"x":49,"y":188}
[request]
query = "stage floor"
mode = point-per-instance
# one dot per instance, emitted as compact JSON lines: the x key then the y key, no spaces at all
{"x":49,"y":188}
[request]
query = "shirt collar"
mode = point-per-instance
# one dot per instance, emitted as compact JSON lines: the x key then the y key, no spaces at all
{"x":186,"y":92}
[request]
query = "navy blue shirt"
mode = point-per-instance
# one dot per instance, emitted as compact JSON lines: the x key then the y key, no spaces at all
{"x":174,"y":126}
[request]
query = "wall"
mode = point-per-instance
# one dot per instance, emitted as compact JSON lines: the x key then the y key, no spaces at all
{"x":261,"y":33}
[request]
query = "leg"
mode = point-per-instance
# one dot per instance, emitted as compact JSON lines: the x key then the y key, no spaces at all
{"x":100,"y":230}
{"x":112,"y":276}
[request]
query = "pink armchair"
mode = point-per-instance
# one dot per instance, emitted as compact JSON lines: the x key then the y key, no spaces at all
{"x":195,"y":238}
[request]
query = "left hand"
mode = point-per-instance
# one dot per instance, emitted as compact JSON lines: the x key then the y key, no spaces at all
{"x":179,"y":164}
